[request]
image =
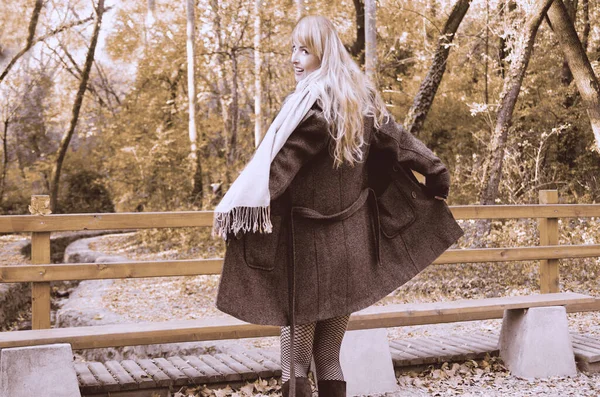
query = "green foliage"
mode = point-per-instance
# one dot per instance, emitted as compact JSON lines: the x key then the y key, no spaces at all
{"x":85,"y":193}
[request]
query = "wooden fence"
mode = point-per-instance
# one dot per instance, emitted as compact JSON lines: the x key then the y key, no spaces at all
{"x":40,"y":273}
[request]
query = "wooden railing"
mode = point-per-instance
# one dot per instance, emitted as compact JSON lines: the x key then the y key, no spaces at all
{"x":40,"y":273}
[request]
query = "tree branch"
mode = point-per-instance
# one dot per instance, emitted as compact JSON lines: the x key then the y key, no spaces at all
{"x":32,"y":26}
{"x":31,"y":41}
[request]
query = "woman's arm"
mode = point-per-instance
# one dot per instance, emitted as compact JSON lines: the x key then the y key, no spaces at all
{"x":393,"y":141}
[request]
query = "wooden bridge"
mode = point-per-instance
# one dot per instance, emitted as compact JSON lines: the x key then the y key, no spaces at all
{"x":41,"y":272}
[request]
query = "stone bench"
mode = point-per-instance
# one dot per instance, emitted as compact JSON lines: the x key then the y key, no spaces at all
{"x":534,"y":339}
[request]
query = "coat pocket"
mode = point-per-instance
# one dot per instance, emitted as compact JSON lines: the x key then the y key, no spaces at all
{"x":396,"y":211}
{"x":260,"y":250}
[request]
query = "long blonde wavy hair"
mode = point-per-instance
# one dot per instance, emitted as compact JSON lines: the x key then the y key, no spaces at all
{"x":346,"y":94}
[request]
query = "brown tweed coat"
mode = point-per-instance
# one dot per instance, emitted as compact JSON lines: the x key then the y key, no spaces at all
{"x":351,"y":235}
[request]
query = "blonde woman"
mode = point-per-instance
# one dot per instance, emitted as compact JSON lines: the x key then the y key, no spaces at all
{"x":327,"y":217}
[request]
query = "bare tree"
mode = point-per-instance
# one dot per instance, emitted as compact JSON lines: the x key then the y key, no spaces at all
{"x":508,"y":99}
{"x":424,"y":98}
{"x":585,"y":36}
{"x":235,"y":107}
{"x":193,"y":134}
{"x":566,"y":75}
{"x":8,"y":110}
{"x":359,"y":43}
{"x":258,"y":122}
{"x":35,"y":16}
{"x":579,"y":64}
{"x":222,"y":84}
{"x":42,"y":38}
{"x":371,"y":39}
{"x":4,"y":157}
{"x":486,"y":93}
{"x":66,"y":139}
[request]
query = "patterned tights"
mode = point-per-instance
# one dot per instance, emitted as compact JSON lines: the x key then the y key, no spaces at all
{"x":322,"y":340}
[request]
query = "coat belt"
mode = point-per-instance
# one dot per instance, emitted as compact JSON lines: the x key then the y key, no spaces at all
{"x":367,"y":194}
{"x":338,"y":216}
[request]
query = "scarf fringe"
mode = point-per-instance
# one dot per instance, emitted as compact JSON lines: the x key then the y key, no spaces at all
{"x":242,"y":219}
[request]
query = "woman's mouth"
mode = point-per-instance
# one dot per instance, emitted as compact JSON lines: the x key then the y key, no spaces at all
{"x":298,"y":70}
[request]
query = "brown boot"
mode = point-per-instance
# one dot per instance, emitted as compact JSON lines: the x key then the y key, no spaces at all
{"x":303,"y":388}
{"x":332,"y":388}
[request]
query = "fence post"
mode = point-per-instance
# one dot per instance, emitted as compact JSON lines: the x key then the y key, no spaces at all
{"x":40,"y":254}
{"x":548,"y":228}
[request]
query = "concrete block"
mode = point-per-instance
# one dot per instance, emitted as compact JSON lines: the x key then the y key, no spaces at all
{"x":38,"y":370}
{"x":535,"y":343}
{"x":367,"y":363}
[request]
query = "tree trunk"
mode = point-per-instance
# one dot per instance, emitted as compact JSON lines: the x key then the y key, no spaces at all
{"x":196,"y":196}
{"x":64,"y":143}
{"x":222,"y":83}
{"x":424,"y":98}
{"x":580,"y":66}
{"x":234,"y":109}
{"x":4,"y":158}
{"x":566,"y":77}
{"x":357,"y":49}
{"x":510,"y":92}
{"x":299,"y":8}
{"x":486,"y":95}
{"x":258,"y":116}
{"x":35,"y":16}
{"x":585,"y":37}
{"x":150,"y":15}
{"x":198,"y":183}
{"x":371,"y":39}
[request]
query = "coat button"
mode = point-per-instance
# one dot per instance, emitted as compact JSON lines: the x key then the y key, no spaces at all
{"x":413,"y":194}
{"x":395,"y":168}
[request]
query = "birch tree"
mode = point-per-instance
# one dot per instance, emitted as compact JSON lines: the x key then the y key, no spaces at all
{"x":258,"y":117}
{"x":299,"y":8}
{"x":150,"y":15}
{"x":370,"y":39}
{"x":195,"y":157}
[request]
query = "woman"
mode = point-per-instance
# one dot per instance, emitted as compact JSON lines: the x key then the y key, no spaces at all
{"x":327,"y":218}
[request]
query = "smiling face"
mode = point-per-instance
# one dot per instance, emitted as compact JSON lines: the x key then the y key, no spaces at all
{"x":304,"y":62}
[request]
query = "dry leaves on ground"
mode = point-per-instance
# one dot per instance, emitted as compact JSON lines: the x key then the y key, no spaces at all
{"x":261,"y":387}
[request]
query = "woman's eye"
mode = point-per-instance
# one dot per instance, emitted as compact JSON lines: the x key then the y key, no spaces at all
{"x":305,"y":52}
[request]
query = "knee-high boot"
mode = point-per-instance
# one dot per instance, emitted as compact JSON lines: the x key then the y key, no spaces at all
{"x":332,"y":388}
{"x":303,"y":388}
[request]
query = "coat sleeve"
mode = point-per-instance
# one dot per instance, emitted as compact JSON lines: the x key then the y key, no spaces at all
{"x":308,"y":139}
{"x":394,"y":142}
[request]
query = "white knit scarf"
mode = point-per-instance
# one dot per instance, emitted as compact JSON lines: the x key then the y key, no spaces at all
{"x":246,"y":205}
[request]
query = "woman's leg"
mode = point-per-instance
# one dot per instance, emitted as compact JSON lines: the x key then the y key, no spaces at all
{"x":326,"y":349}
{"x":304,"y":335}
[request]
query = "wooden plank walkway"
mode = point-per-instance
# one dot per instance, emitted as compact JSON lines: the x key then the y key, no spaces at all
{"x":147,"y":376}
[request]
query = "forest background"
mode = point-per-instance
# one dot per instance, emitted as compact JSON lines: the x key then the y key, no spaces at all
{"x":97,"y":100}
